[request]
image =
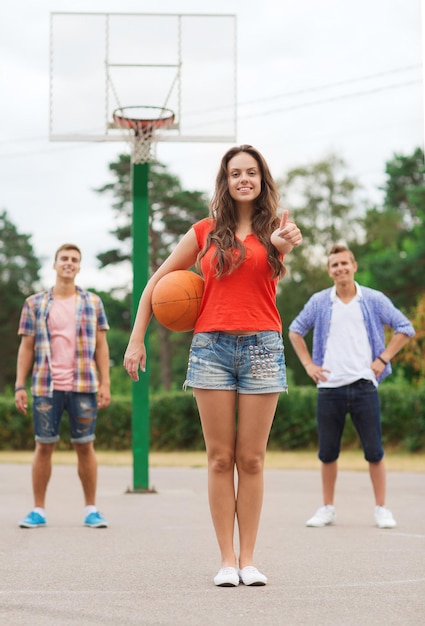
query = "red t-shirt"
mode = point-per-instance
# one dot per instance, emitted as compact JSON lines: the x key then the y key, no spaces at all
{"x":243,"y":300}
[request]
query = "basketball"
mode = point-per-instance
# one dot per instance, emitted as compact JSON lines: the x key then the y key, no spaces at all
{"x":176,"y":300}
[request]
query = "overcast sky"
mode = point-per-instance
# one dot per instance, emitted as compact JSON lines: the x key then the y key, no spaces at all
{"x":313,"y":77}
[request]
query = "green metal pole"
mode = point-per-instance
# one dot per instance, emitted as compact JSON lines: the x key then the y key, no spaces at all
{"x":140,"y":395}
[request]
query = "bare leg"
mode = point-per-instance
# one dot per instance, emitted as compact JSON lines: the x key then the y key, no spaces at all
{"x":217,"y":413}
{"x":255,"y":417}
{"x":41,"y":471}
{"x":378,"y":478}
{"x":329,"y":474}
{"x":87,"y":470}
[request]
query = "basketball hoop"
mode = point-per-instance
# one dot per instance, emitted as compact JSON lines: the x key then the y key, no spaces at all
{"x":142,"y":124}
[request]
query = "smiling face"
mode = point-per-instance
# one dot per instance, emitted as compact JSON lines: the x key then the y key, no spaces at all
{"x":341,"y":268}
{"x":244,"y":178}
{"x":67,"y":263}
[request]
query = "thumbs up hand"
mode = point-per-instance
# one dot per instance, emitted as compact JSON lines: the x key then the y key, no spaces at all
{"x":287,"y":236}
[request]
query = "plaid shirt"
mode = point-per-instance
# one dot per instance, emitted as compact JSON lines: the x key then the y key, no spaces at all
{"x":90,"y":317}
{"x":377,"y":309}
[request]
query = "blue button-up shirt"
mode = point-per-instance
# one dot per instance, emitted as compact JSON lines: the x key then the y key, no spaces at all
{"x":377,"y":309}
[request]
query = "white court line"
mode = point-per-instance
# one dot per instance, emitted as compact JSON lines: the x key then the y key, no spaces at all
{"x":287,"y":587}
{"x":403,"y":535}
{"x":380,"y":583}
{"x":370,"y":583}
{"x":27,"y":592}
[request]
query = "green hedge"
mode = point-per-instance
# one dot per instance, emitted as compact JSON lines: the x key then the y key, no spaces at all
{"x":174,"y":422}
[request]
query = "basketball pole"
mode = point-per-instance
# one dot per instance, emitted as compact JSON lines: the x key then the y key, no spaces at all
{"x":140,"y":390}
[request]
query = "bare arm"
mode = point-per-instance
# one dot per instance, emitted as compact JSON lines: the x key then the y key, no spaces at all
{"x":183,"y":257}
{"x":287,"y":236}
{"x":316,"y":372}
{"x":102,"y":362}
{"x":23,"y":367}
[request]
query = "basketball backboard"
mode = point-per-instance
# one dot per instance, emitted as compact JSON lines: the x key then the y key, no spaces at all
{"x":100,"y":62}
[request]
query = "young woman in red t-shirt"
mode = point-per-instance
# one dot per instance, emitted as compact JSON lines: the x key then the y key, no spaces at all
{"x":236,"y":362}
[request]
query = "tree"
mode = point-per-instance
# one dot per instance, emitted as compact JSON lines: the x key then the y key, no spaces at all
{"x":322,"y":199}
{"x":412,"y":355}
{"x":19,"y":276}
{"x":173,"y":210}
{"x":388,"y":241}
{"x":393,"y":254}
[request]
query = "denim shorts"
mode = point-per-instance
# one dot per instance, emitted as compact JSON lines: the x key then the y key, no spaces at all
{"x":361,"y":401}
{"x":47,"y":415}
{"x":245,"y":363}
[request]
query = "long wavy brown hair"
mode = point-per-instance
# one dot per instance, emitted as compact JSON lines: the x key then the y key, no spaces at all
{"x":230,"y":251}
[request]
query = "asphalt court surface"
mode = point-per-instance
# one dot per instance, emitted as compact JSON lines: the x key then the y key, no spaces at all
{"x":155,"y":563}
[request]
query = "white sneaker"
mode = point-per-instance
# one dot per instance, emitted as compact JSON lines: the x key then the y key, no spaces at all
{"x":323,"y":517}
{"x":384,"y":518}
{"x":227,"y":577}
{"x":250,"y":575}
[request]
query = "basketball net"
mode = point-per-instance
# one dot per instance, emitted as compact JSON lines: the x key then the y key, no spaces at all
{"x":143,"y":144}
{"x":140,"y":126}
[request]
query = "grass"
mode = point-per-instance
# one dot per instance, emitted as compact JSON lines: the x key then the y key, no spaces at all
{"x":349,"y":460}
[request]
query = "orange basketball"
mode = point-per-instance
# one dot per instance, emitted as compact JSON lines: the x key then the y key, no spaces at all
{"x":176,"y":300}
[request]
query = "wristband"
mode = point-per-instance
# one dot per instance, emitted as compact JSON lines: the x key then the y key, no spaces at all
{"x":383,"y":360}
{"x":20,"y":388}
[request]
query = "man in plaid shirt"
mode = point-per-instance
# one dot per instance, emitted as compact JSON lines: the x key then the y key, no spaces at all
{"x":63,"y":341}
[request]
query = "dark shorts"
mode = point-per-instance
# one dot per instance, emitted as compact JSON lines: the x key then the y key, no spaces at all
{"x":47,"y":415}
{"x":244,"y":363}
{"x":361,"y":401}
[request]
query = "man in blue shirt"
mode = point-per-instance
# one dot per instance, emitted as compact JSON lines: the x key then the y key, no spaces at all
{"x":349,"y":359}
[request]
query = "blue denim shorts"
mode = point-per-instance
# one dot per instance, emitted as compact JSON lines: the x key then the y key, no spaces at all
{"x":361,"y":401}
{"x":245,"y":363}
{"x":47,"y":415}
